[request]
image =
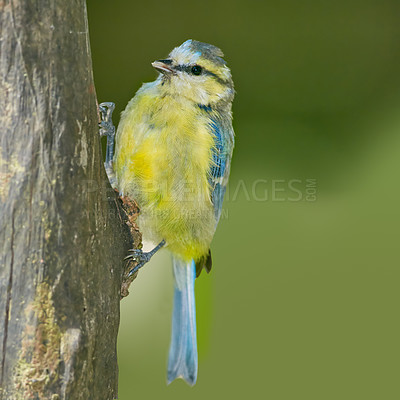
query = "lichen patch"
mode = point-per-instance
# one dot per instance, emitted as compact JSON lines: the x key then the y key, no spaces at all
{"x":38,"y":364}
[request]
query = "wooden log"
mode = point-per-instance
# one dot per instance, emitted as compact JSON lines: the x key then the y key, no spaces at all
{"x":63,"y":232}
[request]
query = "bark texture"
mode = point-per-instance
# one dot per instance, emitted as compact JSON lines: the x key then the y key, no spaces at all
{"x":63,"y":234}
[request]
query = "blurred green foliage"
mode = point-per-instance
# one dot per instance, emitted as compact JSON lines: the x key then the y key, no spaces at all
{"x":303,"y":299}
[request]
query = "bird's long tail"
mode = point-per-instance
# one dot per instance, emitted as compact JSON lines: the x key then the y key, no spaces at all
{"x":182,"y":361}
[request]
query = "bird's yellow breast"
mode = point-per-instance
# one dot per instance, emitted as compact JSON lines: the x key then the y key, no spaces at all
{"x":163,"y":156}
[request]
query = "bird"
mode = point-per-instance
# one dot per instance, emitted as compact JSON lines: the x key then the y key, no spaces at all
{"x":173,"y":151}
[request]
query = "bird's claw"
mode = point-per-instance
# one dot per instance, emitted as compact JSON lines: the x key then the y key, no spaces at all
{"x":137,"y":255}
{"x":140,"y":257}
{"x":107,"y":128}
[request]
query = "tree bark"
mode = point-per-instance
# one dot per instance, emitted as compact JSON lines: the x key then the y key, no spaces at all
{"x":63,"y":234}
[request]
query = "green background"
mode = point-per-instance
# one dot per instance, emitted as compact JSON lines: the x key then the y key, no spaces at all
{"x":303,"y":300}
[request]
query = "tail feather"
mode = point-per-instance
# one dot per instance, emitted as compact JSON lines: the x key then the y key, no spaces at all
{"x":182,"y":361}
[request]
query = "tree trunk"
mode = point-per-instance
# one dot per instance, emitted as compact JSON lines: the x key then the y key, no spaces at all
{"x":63,"y":234}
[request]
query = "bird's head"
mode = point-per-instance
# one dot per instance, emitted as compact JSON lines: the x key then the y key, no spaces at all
{"x":197,"y":72}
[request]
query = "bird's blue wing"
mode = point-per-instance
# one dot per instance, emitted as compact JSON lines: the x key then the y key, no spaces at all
{"x":221,"y":160}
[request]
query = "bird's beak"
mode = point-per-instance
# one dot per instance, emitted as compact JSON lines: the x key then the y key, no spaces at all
{"x":163,"y":66}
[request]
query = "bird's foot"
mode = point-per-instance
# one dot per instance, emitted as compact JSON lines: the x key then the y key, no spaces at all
{"x":141,"y":257}
{"x":107,"y":128}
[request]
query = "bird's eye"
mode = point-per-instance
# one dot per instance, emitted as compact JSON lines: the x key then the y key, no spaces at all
{"x":196,"y":70}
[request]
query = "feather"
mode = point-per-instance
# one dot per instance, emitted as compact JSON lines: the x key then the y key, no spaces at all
{"x":182,"y":361}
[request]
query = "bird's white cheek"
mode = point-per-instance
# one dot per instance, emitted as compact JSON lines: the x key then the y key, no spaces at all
{"x":203,"y":96}
{"x":193,"y":90}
